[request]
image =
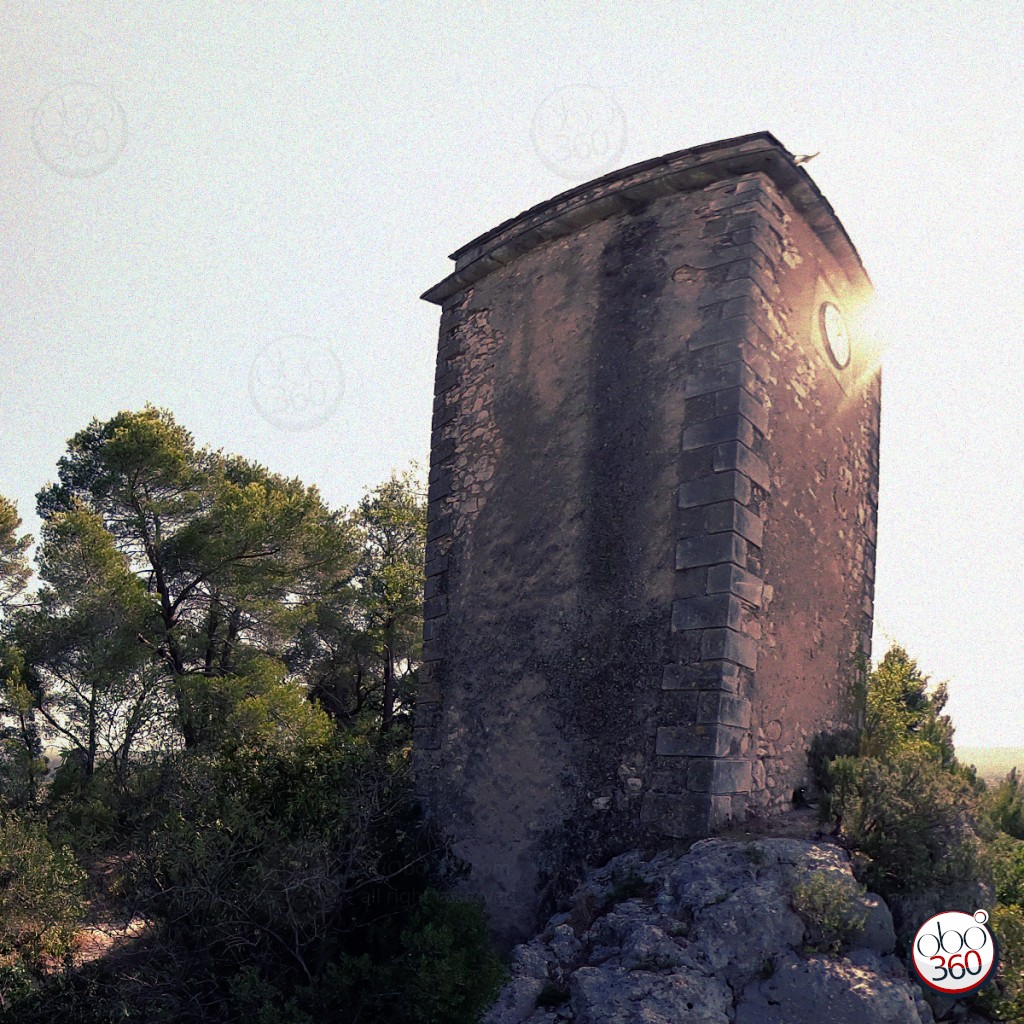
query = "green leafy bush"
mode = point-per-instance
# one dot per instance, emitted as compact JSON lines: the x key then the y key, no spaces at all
{"x":1003,"y":806}
{"x":900,"y":800}
{"x":41,"y":892}
{"x":831,"y":906}
{"x":908,"y":819}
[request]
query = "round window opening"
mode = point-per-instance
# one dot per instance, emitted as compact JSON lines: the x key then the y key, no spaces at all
{"x":836,"y":334}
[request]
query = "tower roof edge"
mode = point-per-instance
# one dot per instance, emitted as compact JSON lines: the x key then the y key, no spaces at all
{"x":620,"y":190}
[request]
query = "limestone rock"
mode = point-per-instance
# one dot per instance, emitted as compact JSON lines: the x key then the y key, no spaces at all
{"x":840,"y":991}
{"x":879,"y":934}
{"x":708,"y":937}
{"x":616,"y":996}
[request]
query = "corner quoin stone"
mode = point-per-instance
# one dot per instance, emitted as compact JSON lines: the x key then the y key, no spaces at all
{"x":652,"y":513}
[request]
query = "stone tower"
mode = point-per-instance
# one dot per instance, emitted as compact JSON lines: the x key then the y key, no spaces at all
{"x":653,"y":496}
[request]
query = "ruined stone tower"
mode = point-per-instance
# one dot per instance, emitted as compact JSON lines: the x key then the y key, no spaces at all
{"x":653,"y":495}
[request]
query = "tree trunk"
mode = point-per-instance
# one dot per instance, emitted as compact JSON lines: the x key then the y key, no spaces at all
{"x":387,"y":712}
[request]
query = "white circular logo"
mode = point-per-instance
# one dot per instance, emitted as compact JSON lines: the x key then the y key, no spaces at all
{"x":79,"y":130}
{"x":955,"y":953}
{"x":296,"y":382}
{"x":579,"y":131}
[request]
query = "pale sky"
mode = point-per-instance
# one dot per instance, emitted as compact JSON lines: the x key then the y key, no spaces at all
{"x":230,"y":209}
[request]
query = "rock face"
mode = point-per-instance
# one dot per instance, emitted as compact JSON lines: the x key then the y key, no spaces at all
{"x":712,"y":937}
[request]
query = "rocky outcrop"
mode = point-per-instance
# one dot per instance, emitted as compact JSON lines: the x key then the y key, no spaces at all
{"x":712,"y":936}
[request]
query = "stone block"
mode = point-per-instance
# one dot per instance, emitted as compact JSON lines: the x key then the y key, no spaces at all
{"x":684,"y":815}
{"x":444,"y":381}
{"x":439,"y":526}
{"x":715,"y":547}
{"x":704,"y":612}
{"x":733,"y":455}
{"x":719,"y":378}
{"x":731,"y":515}
{"x":734,"y":580}
{"x":725,"y":709}
{"x":426,"y":738}
{"x":700,"y":676}
{"x":729,"y":645}
{"x":436,"y":565}
{"x":718,"y":775}
{"x":698,"y":740}
{"x":428,"y":690}
{"x":738,"y":400}
{"x":706,"y":490}
{"x":444,"y":412}
{"x":441,"y":485}
{"x":441,"y":448}
{"x":720,"y":332}
{"x":732,"y":289}
{"x":725,"y":428}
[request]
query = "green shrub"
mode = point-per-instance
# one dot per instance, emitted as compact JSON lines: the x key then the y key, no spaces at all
{"x":41,"y":894}
{"x":627,"y":885}
{"x":908,"y":818}
{"x":1005,"y":999}
{"x":899,"y":798}
{"x":1003,"y":806}
{"x":1005,"y":857}
{"x":830,"y":904}
{"x":451,"y":973}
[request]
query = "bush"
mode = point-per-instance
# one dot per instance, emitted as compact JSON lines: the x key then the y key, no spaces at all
{"x":908,"y":818}
{"x":41,"y":894}
{"x":1005,"y":1000}
{"x":900,"y":799}
{"x":1003,"y":806}
{"x":830,"y":904}
{"x":450,"y":972}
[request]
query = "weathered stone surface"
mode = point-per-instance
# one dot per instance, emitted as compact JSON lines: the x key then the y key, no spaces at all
{"x":878,"y":933}
{"x":614,"y":996}
{"x":728,"y":486}
{"x":864,"y":990}
{"x":642,"y":459}
{"x":709,"y":936}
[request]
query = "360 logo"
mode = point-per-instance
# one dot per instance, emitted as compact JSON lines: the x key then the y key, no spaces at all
{"x":955,"y":953}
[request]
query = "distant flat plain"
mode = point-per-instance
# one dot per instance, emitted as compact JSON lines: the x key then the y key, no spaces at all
{"x":992,"y":762}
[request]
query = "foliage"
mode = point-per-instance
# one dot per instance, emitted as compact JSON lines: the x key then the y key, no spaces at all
{"x":230,"y":556}
{"x":14,"y":568}
{"x":910,"y":819}
{"x":21,"y":762}
{"x":360,"y":646}
{"x":1003,"y":805}
{"x":921,"y":823}
{"x":1006,"y":859}
{"x":902,"y":801}
{"x":830,"y":904}
{"x":1005,"y":1000}
{"x":448,"y":972}
{"x":902,"y":714}
{"x":41,"y":895}
{"x":85,"y":668}
{"x":227,"y":667}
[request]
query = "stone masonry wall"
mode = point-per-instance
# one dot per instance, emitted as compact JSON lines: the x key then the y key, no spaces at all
{"x":651,"y":528}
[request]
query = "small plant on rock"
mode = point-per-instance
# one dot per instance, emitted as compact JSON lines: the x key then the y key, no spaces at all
{"x":831,"y":906}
